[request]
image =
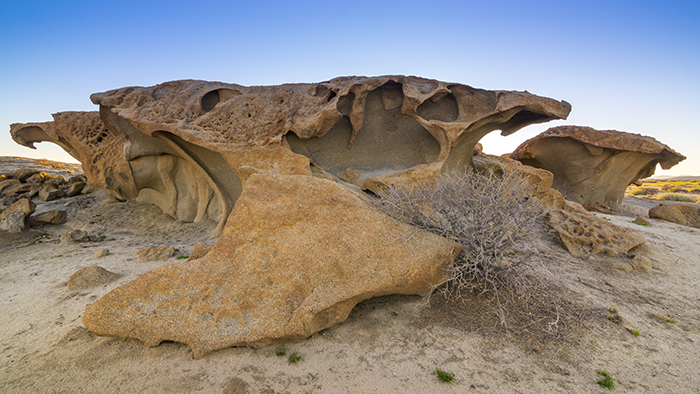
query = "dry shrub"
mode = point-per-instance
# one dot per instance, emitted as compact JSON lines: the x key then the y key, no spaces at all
{"x":494,"y":218}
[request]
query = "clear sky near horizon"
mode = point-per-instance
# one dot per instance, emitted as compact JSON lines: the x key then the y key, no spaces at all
{"x":626,"y":65}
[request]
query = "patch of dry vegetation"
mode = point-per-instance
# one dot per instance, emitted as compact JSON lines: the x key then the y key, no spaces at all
{"x":495,"y":220}
{"x":668,"y":190}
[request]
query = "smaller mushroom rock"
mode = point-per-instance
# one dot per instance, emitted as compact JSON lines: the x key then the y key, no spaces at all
{"x":595,"y":164}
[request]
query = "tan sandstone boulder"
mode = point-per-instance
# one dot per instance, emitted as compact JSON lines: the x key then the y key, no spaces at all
{"x":298,"y":253}
{"x":581,"y":233}
{"x":590,"y":164}
{"x":686,"y":215}
{"x":189,"y":146}
{"x":15,"y":218}
{"x":88,"y":277}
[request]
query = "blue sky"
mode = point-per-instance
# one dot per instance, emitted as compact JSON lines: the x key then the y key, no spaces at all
{"x":625,"y":65}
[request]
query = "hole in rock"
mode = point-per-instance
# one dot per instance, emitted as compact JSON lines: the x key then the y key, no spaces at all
{"x":210,"y":100}
{"x":388,"y":141}
{"x":444,"y":108}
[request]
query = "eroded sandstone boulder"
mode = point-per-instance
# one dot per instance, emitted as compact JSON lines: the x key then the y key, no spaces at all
{"x":189,"y":146}
{"x":590,"y":164}
{"x":92,"y":276}
{"x":15,"y":218}
{"x":686,"y":215}
{"x":581,"y":233}
{"x":540,"y":180}
{"x":298,"y":254}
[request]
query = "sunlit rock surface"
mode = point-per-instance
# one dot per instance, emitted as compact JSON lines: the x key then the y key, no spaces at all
{"x":595,"y":165}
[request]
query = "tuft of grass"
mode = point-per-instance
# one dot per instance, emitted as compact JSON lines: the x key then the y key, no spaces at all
{"x":183,"y":257}
{"x":669,"y":319}
{"x":102,"y":237}
{"x":696,"y":190}
{"x":639,"y":192}
{"x":280,"y":351}
{"x":313,"y":375}
{"x":444,"y":376}
{"x":294,"y":358}
{"x":608,"y":382}
{"x":676,"y":197}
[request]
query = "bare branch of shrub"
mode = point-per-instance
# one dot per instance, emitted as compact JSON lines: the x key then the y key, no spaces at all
{"x":494,"y":218}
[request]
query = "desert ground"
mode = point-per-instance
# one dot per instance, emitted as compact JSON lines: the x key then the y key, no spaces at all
{"x":388,"y":345}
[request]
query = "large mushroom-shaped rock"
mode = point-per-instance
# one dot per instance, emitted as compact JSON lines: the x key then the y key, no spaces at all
{"x":590,"y":164}
{"x":189,"y":146}
{"x":298,"y":253}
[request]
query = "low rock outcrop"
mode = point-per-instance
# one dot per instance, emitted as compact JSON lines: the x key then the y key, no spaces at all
{"x":686,"y":215}
{"x":189,"y":146}
{"x":581,"y":233}
{"x":590,"y":164}
{"x":297,"y":255}
{"x":154,"y":253}
{"x":88,"y":277}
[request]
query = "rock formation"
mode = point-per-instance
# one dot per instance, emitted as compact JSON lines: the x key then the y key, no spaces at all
{"x":92,"y":276}
{"x":590,"y":164}
{"x":686,"y":215}
{"x":298,"y":254}
{"x":189,"y":146}
{"x":583,"y":234}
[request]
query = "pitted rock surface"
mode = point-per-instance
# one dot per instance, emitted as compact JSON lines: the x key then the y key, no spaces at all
{"x":590,"y":164}
{"x":581,"y":233}
{"x":297,"y":255}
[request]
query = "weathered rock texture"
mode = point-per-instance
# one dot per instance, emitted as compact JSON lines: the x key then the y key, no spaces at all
{"x":540,"y":180}
{"x":298,"y":254}
{"x":84,"y":136}
{"x":582,"y":233}
{"x":189,"y":146}
{"x":88,"y":277}
{"x":590,"y":164}
{"x":15,"y":218}
{"x":686,"y":215}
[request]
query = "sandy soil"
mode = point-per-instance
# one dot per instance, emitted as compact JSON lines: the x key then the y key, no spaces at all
{"x":388,"y":345}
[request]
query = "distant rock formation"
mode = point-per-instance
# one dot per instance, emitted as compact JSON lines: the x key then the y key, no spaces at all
{"x":590,"y":164}
{"x":686,"y":215}
{"x":189,"y":146}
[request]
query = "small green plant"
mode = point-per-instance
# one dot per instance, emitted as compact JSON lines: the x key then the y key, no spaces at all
{"x":636,"y":333}
{"x":444,"y":376}
{"x":294,"y":358}
{"x":677,"y":197}
{"x":608,"y":382}
{"x":280,"y":351}
{"x":670,"y":320}
{"x":313,"y":375}
{"x":606,"y":218}
{"x":177,"y":250}
{"x":102,"y":237}
{"x":639,"y":192}
{"x":183,"y":257}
